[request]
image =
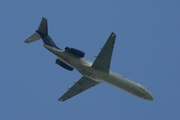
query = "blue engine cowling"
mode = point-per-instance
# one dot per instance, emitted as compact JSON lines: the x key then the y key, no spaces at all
{"x":64,"y":65}
{"x":75,"y":52}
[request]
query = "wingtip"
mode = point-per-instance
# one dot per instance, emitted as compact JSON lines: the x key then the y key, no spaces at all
{"x":44,"y":18}
{"x":26,"y":41}
{"x":60,"y":99}
{"x":113,"y":34}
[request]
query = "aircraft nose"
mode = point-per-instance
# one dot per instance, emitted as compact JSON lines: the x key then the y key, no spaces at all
{"x":150,"y":97}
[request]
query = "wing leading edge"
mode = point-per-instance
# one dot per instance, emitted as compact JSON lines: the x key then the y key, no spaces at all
{"x":103,"y":60}
{"x":83,"y":84}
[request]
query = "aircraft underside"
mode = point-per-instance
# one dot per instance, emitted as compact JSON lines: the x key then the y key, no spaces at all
{"x":93,"y":73}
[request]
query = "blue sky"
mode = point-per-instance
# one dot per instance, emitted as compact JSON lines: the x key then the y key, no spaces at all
{"x":146,"y":51}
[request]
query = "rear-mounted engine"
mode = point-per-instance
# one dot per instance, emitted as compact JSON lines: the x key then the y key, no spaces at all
{"x":75,"y":52}
{"x":64,"y":65}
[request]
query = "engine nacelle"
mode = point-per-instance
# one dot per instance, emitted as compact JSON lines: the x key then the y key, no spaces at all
{"x":75,"y":52}
{"x":64,"y":65}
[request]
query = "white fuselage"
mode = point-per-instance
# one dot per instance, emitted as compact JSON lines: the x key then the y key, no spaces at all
{"x":84,"y":67}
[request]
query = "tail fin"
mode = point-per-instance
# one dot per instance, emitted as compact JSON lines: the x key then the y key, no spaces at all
{"x":43,"y":27}
{"x":42,"y":33}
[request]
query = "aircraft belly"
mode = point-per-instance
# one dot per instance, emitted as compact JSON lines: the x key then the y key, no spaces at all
{"x":89,"y":72}
{"x":124,"y":85}
{"x":120,"y":83}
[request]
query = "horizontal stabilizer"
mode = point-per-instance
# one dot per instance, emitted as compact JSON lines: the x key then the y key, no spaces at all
{"x":33,"y":38}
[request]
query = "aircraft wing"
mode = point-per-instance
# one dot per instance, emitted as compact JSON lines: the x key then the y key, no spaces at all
{"x":102,"y":61}
{"x":83,"y":84}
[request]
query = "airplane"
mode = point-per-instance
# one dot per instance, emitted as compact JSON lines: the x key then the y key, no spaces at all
{"x":93,"y":73}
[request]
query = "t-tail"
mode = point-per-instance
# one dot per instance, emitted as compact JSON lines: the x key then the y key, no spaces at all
{"x":42,"y":33}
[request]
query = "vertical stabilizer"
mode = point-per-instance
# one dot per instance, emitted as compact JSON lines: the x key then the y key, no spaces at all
{"x":42,"y":33}
{"x":43,"y":27}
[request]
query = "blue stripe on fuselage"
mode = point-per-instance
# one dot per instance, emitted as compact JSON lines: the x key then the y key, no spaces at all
{"x":47,"y":40}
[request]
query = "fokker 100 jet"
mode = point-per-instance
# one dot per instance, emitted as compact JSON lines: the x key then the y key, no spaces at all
{"x":92,"y":73}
